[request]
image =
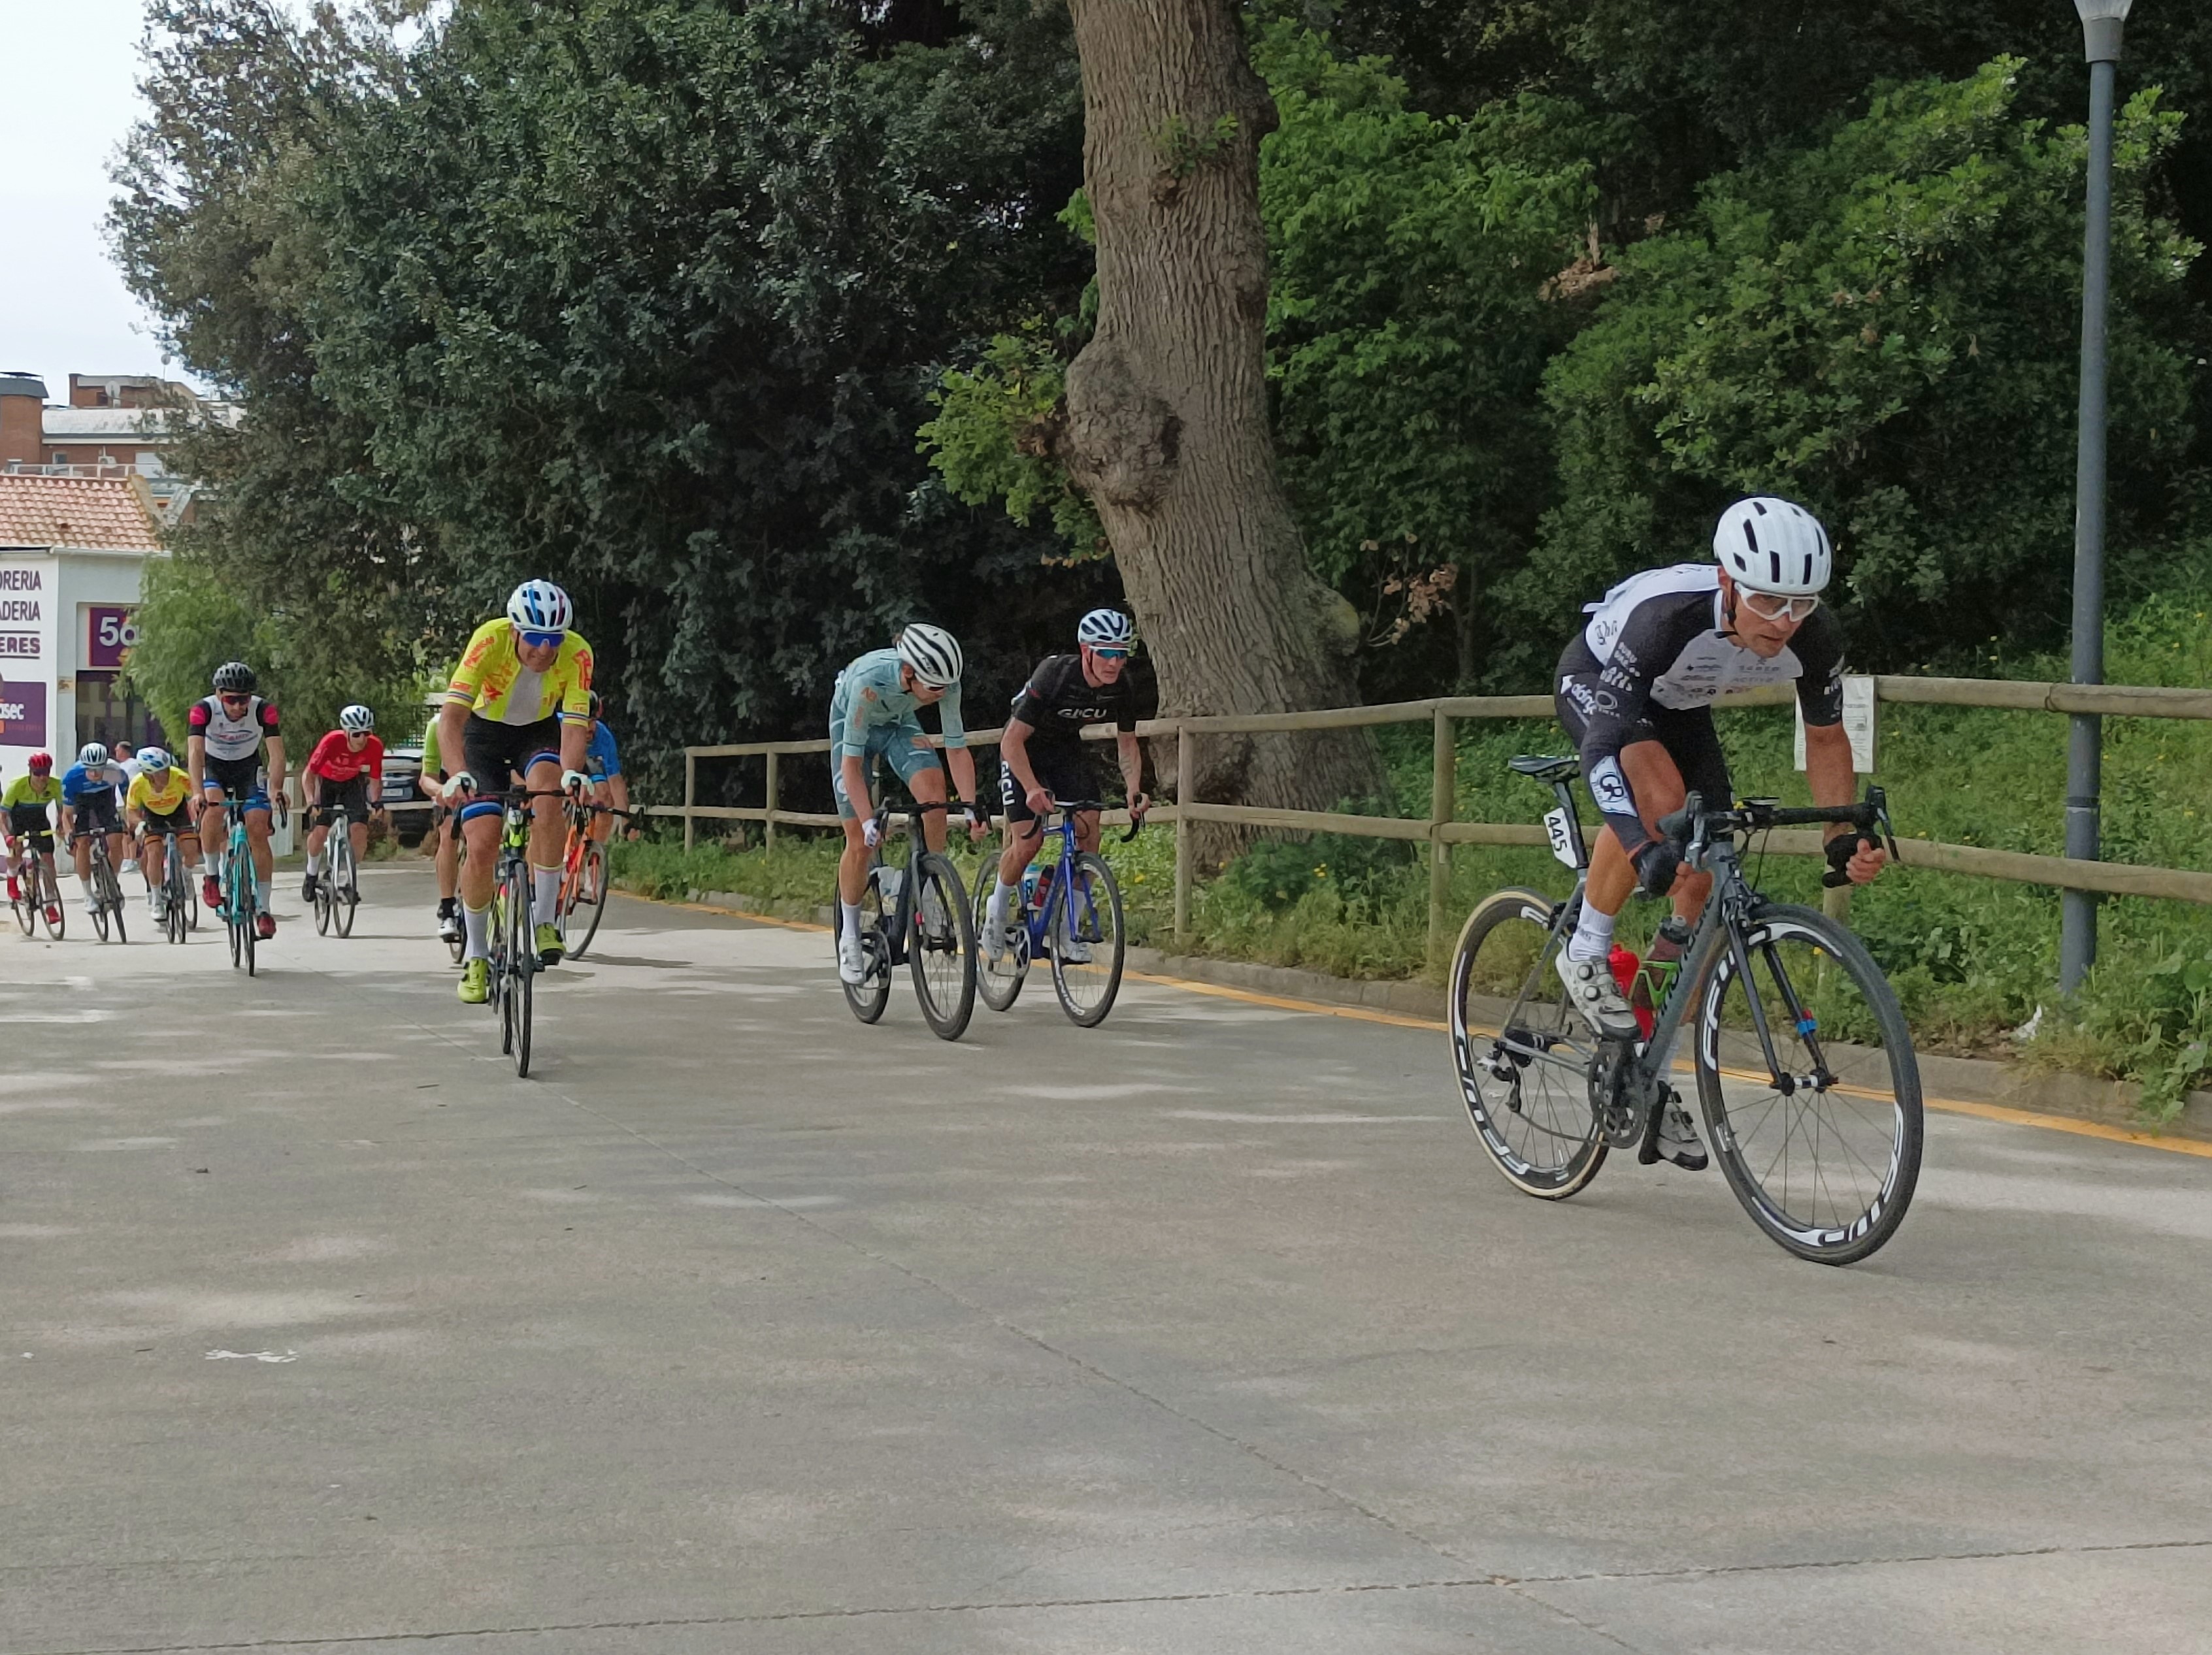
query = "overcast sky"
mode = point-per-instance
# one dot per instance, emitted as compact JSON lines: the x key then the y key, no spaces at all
{"x":71,"y":96}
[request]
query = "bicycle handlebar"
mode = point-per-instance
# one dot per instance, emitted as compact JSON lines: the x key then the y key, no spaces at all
{"x":1693,"y":826}
{"x":1076,"y":808}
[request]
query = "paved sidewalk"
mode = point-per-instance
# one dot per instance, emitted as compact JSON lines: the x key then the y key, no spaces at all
{"x":741,"y":1326}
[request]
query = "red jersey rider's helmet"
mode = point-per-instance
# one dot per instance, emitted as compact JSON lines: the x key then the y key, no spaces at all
{"x":42,"y":764}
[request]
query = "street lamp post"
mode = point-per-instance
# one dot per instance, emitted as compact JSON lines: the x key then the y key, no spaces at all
{"x":2102,"y":21}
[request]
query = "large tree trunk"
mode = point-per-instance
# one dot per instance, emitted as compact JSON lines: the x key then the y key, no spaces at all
{"x":1167,"y":407}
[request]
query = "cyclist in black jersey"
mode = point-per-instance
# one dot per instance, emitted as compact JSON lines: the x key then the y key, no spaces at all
{"x":1041,"y":759}
{"x":1636,"y":689}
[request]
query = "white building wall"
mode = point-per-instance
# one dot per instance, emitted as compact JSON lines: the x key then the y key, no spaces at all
{"x":63,"y":587}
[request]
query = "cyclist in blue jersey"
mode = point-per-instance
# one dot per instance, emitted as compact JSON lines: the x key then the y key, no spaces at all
{"x":872,"y":715}
{"x":602,"y":764}
{"x":90,"y":804}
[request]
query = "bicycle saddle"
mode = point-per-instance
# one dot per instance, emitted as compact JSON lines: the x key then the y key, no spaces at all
{"x":1547,"y":769}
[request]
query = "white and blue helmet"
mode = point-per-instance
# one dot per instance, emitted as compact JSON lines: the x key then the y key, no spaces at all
{"x":356,"y":720}
{"x":541,"y":606}
{"x":92,"y":755}
{"x":1108,"y":626}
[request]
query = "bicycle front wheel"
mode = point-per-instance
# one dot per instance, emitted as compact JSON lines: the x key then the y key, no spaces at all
{"x":941,"y":949}
{"x":1825,"y":1155}
{"x":25,"y":904}
{"x":1083,"y":935}
{"x":1000,"y":981}
{"x":590,"y":893}
{"x":111,"y":892}
{"x":521,"y":972}
{"x":1525,"y":1060}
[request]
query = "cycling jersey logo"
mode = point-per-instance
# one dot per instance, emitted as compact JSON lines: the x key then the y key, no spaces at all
{"x":1610,"y":789}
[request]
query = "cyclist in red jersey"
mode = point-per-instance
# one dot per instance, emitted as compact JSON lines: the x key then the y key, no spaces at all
{"x":345,"y":769}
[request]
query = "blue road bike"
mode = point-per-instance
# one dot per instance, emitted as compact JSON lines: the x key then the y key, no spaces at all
{"x":1071,"y":917}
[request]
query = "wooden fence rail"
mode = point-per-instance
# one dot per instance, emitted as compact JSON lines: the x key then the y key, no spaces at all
{"x":1440,"y":830}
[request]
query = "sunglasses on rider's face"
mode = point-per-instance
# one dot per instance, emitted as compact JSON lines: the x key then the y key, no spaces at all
{"x":1767,"y":607}
{"x":229,"y":700}
{"x":1109,"y":652}
{"x":540,"y":639}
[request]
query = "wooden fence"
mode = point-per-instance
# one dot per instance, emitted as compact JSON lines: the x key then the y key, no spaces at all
{"x":1440,"y":830}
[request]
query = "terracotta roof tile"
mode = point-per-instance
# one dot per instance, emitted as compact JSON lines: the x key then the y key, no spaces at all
{"x":110,"y":513}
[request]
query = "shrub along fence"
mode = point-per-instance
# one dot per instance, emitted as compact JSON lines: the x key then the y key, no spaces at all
{"x":1440,"y":831}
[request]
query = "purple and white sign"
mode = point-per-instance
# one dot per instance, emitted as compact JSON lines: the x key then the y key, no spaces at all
{"x":22,"y":715}
{"x":110,"y":631}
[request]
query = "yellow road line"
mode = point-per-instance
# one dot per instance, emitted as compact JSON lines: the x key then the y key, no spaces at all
{"x":1997,"y":1111}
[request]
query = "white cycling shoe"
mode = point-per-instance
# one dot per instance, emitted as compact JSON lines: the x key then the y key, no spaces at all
{"x":1678,"y":1139}
{"x":1074,"y":951}
{"x":851,"y":962}
{"x":1592,"y":991}
{"x":994,"y":931}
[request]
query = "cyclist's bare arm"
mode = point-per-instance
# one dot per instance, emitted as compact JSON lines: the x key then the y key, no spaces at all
{"x":963,"y":761}
{"x":1014,"y":748}
{"x":1131,"y":755}
{"x":1828,"y":773}
{"x":275,"y":767}
{"x":196,"y":761}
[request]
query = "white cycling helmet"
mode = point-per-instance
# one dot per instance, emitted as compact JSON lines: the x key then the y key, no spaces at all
{"x":155,"y":760}
{"x":1109,"y":627}
{"x":92,"y":755}
{"x":1770,"y":545}
{"x":933,"y":653}
{"x":356,"y":720}
{"x":541,"y":606}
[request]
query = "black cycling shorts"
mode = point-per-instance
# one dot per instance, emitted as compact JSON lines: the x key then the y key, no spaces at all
{"x":353,"y":795}
{"x":494,"y":752}
{"x":1063,"y":774}
{"x":178,"y":820}
{"x":238,"y":776}
{"x":31,"y":822}
{"x":1687,"y":733}
{"x":97,"y":813}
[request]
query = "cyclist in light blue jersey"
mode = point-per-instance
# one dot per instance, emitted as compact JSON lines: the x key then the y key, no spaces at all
{"x":602,"y":764}
{"x":872,"y":715}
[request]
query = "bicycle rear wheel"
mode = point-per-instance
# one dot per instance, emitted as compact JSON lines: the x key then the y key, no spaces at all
{"x":25,"y":904}
{"x":176,"y":893}
{"x":248,"y":939}
{"x":941,"y":948}
{"x":872,"y":992}
{"x":322,"y":906}
{"x":1526,"y":1060}
{"x":1083,"y":935}
{"x":1826,"y":1161}
{"x":590,"y":893}
{"x":1000,"y":981}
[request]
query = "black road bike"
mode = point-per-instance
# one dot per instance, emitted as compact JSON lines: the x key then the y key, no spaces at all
{"x":916,"y":915}
{"x":1805,"y":1069}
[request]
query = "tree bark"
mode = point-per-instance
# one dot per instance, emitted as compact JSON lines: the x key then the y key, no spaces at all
{"x":1167,"y":427}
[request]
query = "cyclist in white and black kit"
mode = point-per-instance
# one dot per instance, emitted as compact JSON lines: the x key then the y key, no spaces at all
{"x":223,"y":753}
{"x":1636,"y":689}
{"x":1041,"y":759}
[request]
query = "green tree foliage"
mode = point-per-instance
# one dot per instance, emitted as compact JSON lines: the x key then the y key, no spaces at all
{"x":646,"y":295}
{"x":1885,"y":326}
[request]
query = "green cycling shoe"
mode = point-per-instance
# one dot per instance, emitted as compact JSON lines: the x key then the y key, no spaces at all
{"x":475,"y":982}
{"x":550,"y":948}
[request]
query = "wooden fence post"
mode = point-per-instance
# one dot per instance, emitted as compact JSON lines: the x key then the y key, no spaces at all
{"x":691,"y":798}
{"x":1444,"y":805}
{"x":1182,"y":835}
{"x":768,"y":822}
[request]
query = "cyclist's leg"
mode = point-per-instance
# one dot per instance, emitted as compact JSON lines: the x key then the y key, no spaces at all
{"x":603,"y":828}
{"x":917,"y":764}
{"x":548,"y":832}
{"x":1699,"y":766}
{"x":488,"y":754}
{"x":256,"y":812}
{"x":853,"y":816}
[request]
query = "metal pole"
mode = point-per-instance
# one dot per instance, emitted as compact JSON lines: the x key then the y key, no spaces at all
{"x":2077,"y":941}
{"x":1444,"y":798}
{"x":1182,"y":835}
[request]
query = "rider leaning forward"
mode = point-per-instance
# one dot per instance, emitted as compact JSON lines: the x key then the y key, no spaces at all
{"x":1636,"y":689}
{"x":517,"y":706}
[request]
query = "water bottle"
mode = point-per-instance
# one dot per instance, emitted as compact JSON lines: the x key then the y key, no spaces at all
{"x":890,"y":881}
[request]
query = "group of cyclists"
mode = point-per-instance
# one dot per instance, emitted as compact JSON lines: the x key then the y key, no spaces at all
{"x":1635,"y":690}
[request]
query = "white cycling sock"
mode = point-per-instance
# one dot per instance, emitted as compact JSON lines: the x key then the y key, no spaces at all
{"x":852,"y":912}
{"x":1593,"y":937}
{"x":477,"y":922}
{"x":1002,"y":901}
{"x":547,"y":894}
{"x":315,"y":864}
{"x":260,"y":891}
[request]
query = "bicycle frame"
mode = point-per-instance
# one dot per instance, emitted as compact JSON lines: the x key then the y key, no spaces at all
{"x":896,"y":922}
{"x":1063,"y":866}
{"x":1731,"y":909}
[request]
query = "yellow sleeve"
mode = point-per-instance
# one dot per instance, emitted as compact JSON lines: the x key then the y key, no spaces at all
{"x":576,"y":681}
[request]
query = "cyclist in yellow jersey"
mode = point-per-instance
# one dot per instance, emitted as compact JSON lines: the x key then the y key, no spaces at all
{"x":519,"y":705}
{"x":158,"y":802}
{"x":444,"y":836}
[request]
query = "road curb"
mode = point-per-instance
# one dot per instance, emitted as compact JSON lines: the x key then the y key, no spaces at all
{"x":1969,"y":1080}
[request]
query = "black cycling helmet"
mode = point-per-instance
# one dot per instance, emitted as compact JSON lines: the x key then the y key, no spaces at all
{"x":234,"y":678}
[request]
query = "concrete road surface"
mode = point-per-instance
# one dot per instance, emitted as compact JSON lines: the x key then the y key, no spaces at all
{"x":743,"y":1327}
